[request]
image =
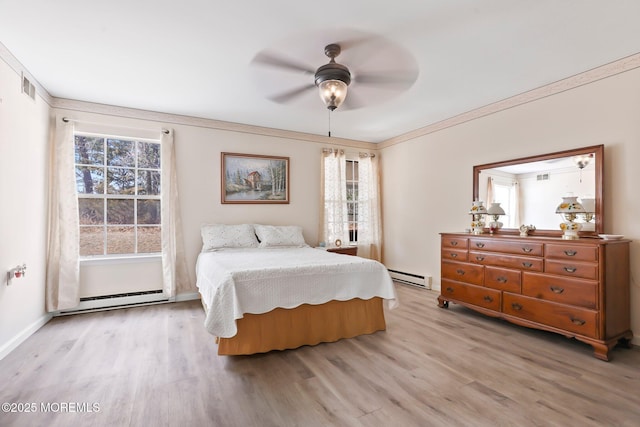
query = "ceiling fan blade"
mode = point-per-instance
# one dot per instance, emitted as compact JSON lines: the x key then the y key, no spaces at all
{"x":278,"y":61}
{"x":390,"y":79}
{"x":287,"y":96}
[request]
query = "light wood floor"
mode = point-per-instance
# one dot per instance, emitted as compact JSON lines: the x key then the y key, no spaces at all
{"x":156,"y":366}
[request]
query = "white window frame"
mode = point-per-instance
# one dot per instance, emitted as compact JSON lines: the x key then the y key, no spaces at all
{"x":106,"y":196}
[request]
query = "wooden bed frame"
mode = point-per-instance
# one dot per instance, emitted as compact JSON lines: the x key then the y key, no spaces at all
{"x":306,"y":324}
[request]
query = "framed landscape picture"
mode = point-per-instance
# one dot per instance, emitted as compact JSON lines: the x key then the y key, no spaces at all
{"x":252,"y":178}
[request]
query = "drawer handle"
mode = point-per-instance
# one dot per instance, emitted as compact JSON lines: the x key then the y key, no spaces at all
{"x":480,"y":245}
{"x":569,"y":252}
{"x":501,"y":279}
{"x":527,"y":264}
{"x":527,"y":250}
{"x":479,"y":258}
{"x":454,"y":255}
{"x":449,"y":289}
{"x":570,"y":269}
{"x":487,"y":298}
{"x":556,"y":289}
{"x":577,"y":321}
{"x":516,"y":306}
{"x":454,"y":243}
{"x":460,"y":272}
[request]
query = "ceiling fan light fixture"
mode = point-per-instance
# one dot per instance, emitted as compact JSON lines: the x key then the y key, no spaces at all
{"x":333,"y":93}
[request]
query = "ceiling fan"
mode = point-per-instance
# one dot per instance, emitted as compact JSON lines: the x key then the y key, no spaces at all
{"x":333,"y":79}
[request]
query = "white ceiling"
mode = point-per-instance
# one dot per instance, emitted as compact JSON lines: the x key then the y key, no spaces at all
{"x":194,"y":57}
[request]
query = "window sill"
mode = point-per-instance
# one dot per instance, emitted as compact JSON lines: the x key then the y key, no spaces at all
{"x":120,"y":259}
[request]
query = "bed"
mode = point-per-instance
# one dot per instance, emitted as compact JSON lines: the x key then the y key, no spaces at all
{"x":263,"y":288}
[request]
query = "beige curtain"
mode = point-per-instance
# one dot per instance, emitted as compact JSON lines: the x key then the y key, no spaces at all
{"x":369,"y":223}
{"x":516,"y":205}
{"x":489,"y":192}
{"x":63,"y":267}
{"x":175,"y":275}
{"x":333,"y":221}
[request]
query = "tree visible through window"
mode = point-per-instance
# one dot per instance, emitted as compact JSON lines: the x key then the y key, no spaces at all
{"x":118,"y":186}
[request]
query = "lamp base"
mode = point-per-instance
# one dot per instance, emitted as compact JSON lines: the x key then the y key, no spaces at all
{"x":570,"y":237}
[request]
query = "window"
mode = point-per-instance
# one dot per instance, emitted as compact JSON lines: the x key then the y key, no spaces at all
{"x":118,"y":187}
{"x":352,"y":199}
{"x":505,"y":194}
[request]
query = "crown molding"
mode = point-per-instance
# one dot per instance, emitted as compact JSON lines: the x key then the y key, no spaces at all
{"x":602,"y":72}
{"x":20,"y":69}
{"x":176,"y":119}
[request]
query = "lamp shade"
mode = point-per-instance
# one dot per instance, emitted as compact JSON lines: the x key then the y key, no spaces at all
{"x":589,"y":204}
{"x":570,"y":205}
{"x":333,"y":93}
{"x":478,"y":208}
{"x":495,"y":209}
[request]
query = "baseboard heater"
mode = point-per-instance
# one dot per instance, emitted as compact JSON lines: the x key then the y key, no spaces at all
{"x":110,"y":302}
{"x":412,"y":279}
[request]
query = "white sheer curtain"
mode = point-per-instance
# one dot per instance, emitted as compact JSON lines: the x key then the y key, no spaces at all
{"x":334,"y":214}
{"x":175,"y":276}
{"x":369,"y":224}
{"x":63,"y":267}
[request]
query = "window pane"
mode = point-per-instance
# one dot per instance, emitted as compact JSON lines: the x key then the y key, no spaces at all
{"x":89,"y":150}
{"x":91,"y":211}
{"x":89,"y":180}
{"x":349,"y":170}
{"x":121,"y":240}
{"x":91,"y":241}
{"x":120,"y":211}
{"x":148,"y":211}
{"x":149,"y":182}
{"x":148,"y":155}
{"x":120,"y":153}
{"x":149,"y":240}
{"x":121,"y":181}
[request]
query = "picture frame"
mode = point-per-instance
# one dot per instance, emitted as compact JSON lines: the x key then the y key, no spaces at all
{"x":254,"y":179}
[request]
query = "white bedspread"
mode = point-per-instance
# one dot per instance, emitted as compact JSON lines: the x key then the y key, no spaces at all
{"x":233,"y":282}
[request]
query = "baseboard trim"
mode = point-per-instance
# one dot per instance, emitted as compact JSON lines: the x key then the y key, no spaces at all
{"x":187,"y":297}
{"x":23,"y":335}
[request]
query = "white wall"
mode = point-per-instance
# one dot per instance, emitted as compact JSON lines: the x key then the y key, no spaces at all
{"x":198,"y":151}
{"x":24,"y":128}
{"x":427,"y":182}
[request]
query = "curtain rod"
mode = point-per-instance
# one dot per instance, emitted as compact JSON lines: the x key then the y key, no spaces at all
{"x":163,"y":130}
{"x":337,"y":150}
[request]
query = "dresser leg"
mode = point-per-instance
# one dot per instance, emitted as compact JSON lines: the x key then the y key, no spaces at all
{"x":443,"y":303}
{"x":600,"y":351}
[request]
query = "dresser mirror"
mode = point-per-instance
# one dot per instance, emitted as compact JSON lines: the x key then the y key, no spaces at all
{"x":530,"y":189}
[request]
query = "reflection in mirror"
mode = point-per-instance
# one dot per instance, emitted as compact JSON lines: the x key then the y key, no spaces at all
{"x":530,"y":189}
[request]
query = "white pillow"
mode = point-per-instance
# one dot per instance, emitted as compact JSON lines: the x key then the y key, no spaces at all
{"x":282,"y":235}
{"x":218,"y":236}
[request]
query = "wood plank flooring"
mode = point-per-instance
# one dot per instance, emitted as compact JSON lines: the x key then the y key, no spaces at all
{"x":157,"y":366}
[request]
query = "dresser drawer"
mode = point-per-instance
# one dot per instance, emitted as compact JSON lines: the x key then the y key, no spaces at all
{"x":455,"y":254}
{"x":509,"y":261}
{"x":574,"y":319}
{"x":512,"y":247}
{"x":572,"y":252}
{"x":454,"y":242}
{"x":561,"y":289}
{"x":476,"y":295}
{"x":585,"y":270}
{"x":462,"y":272}
{"x":502,"y":279}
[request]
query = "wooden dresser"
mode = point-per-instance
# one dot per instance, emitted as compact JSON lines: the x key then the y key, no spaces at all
{"x":577,"y":288}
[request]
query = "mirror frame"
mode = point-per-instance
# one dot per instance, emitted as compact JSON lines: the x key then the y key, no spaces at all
{"x":599,"y":194}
